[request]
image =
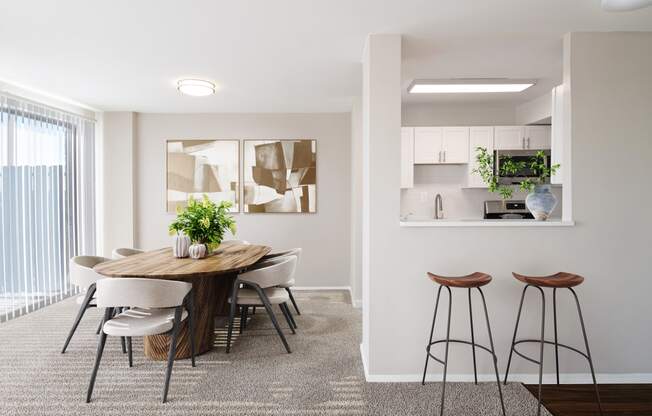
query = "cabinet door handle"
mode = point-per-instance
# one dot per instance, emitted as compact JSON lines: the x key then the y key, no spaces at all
{"x":440,"y":156}
{"x":528,"y":142}
{"x":444,"y":156}
{"x":523,"y":142}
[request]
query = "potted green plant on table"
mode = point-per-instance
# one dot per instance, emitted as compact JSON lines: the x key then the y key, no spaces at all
{"x":540,"y":201}
{"x":205,"y":223}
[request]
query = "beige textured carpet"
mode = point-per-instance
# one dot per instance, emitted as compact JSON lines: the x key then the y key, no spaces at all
{"x":323,"y":375}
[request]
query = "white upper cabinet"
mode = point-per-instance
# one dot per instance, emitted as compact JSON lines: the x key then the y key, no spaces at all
{"x":439,"y":145}
{"x":407,"y":157}
{"x":537,"y":137}
{"x":455,"y":145}
{"x":478,"y":137}
{"x":428,"y":145}
{"x":522,"y":137}
{"x":509,"y":137}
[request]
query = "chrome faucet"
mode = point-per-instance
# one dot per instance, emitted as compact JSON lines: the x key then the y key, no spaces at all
{"x":439,"y":207}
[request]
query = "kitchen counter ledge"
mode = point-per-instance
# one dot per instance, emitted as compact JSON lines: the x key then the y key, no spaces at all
{"x":486,"y":223}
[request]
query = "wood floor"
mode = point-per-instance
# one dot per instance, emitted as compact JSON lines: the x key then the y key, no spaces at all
{"x":579,"y":399}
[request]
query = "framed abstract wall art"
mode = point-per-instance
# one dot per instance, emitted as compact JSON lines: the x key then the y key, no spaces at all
{"x":198,"y":167}
{"x":280,"y":176}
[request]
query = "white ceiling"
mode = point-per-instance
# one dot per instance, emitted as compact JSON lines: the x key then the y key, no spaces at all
{"x":280,"y":55}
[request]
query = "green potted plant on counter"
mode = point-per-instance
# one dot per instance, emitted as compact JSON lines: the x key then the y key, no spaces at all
{"x":540,"y":201}
{"x":485,"y":169}
{"x":205,"y":223}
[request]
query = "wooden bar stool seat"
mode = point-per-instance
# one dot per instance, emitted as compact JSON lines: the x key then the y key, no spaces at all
{"x":558,"y":280}
{"x":472,"y":280}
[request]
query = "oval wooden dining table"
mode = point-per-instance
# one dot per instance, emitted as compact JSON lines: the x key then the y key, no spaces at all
{"x":212,"y":279}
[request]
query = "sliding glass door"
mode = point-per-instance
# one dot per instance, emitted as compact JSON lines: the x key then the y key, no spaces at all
{"x":47,"y":202}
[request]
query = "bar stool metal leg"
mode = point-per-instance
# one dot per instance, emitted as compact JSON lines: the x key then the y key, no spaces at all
{"x":588,"y":352}
{"x":432,"y":330}
{"x":543,"y":333}
{"x":475,"y":371}
{"x":493,"y":351}
{"x":554,"y":321}
{"x":448,"y":333}
{"x":518,"y":319}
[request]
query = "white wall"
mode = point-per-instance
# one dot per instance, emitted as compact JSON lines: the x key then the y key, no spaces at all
{"x":118,"y":181}
{"x":537,"y":111}
{"x":324,"y":236}
{"x":457,"y":114}
{"x":356,"y":202}
{"x":611,"y":122}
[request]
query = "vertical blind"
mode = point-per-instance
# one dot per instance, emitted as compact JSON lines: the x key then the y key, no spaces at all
{"x":47,"y":202}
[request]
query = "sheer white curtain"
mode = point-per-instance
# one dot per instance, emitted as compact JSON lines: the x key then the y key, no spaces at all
{"x":47,"y":202}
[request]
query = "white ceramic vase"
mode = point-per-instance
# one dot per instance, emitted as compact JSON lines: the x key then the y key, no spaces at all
{"x":180,"y":245}
{"x":198,"y":251}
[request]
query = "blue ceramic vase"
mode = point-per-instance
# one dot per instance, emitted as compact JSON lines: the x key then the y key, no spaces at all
{"x":541,"y":202}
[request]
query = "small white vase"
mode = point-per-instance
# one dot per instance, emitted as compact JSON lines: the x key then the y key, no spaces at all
{"x":197,"y":251}
{"x":180,"y":245}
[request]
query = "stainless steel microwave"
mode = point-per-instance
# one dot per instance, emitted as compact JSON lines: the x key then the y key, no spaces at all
{"x":517,"y":156}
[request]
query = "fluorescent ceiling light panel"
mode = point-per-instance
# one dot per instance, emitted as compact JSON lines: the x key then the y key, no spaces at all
{"x":196,"y":87}
{"x":461,"y":86}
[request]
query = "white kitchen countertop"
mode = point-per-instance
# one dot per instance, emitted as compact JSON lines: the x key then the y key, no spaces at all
{"x":556,"y":222}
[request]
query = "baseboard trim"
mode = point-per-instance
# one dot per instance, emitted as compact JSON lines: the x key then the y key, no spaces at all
{"x":346,"y":288}
{"x":567,"y":378}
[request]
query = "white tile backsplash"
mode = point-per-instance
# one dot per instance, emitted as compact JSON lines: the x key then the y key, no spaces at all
{"x":458,"y":202}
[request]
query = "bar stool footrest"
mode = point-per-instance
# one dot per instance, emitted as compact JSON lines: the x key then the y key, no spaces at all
{"x":538,"y":341}
{"x":457,"y":341}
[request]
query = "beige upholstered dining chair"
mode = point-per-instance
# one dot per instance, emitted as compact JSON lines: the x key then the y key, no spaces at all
{"x":155,"y":307}
{"x":83,"y":276}
{"x":122,"y":252}
{"x":289,"y":284}
{"x":260,"y":288}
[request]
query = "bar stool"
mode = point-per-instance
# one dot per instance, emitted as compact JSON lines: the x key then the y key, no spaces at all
{"x":556,"y":281}
{"x":474,"y":280}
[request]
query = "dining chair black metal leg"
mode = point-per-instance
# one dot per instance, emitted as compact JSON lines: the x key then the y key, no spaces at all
{"x":287,"y":308}
{"x":82,"y":309}
{"x":554,"y":322}
{"x":98,"y":357}
{"x":99,"y":327}
{"x":131,"y":357}
{"x":588,"y":351}
{"x":270,"y":312}
{"x":432,"y":330}
{"x":448,"y":333}
{"x":243,"y":318}
{"x":191,"y":325}
{"x":493,"y":352}
{"x":123,"y":344}
{"x":475,"y":369}
{"x":543,"y":333}
{"x":283,"y":308}
{"x":172,"y":352}
{"x":518,"y":319}
{"x":232,"y":310}
{"x":253,"y":310}
{"x":294,"y":303}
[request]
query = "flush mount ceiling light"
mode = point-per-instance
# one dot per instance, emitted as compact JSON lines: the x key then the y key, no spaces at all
{"x":195,"y":87}
{"x":461,"y":86}
{"x":624,"y":5}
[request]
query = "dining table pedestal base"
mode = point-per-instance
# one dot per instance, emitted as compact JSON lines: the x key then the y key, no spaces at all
{"x":212,"y":292}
